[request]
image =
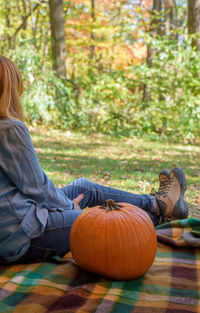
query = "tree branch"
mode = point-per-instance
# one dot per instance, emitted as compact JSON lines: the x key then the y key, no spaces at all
{"x":27,"y":16}
{"x":24,"y":21}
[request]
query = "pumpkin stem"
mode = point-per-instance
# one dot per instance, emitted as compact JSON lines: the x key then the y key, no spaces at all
{"x":110,"y":205}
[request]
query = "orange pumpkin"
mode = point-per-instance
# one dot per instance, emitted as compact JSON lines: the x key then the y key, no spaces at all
{"x":114,"y":240}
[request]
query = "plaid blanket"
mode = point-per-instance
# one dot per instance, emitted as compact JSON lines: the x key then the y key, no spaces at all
{"x":172,"y":284}
{"x":183,"y":233}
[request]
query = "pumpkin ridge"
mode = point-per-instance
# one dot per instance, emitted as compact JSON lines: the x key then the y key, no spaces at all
{"x":139,"y":239}
{"x":105,"y":245}
{"x":121,"y":236}
{"x":135,"y":236}
{"x":144,"y":218}
{"x":127,"y":231}
{"x":103,"y":220}
{"x":108,"y":234}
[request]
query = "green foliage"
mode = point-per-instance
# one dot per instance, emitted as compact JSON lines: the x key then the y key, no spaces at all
{"x":174,"y":81}
{"x":102,"y":94}
{"x":46,"y":99}
{"x":113,"y":102}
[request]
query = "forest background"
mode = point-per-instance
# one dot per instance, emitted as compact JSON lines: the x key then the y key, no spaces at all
{"x":120,"y":67}
{"x":112,"y":88}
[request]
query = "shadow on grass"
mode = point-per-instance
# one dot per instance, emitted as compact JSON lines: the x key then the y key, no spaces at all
{"x":68,"y":157}
{"x":125,"y":163}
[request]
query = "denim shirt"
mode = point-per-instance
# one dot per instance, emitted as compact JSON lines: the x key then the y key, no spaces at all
{"x":26,"y":193}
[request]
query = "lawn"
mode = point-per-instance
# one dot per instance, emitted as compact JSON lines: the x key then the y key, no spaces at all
{"x":131,"y":164}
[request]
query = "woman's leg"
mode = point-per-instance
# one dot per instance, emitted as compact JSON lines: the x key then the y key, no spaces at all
{"x":55,"y":238}
{"x":95,"y":194}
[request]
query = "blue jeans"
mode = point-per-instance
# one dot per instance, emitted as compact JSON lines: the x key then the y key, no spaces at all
{"x":55,"y":238}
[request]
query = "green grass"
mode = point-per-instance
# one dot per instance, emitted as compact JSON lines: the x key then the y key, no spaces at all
{"x":131,"y":164}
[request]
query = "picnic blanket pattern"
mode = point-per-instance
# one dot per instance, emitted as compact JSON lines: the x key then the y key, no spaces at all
{"x":171,"y":285}
{"x":182,"y":233}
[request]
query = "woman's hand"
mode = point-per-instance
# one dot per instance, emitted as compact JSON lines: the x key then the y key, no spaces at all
{"x":77,"y":200}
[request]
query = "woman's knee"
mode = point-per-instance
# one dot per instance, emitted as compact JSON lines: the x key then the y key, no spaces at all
{"x":84,"y":182}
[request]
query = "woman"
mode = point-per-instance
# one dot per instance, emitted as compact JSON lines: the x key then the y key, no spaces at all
{"x":35,"y":216}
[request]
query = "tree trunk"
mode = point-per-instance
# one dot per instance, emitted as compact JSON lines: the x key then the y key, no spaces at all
{"x":155,"y":29}
{"x":169,"y":7}
{"x":194,"y":21}
{"x":92,"y":34}
{"x":57,"y":22}
{"x":8,"y":22}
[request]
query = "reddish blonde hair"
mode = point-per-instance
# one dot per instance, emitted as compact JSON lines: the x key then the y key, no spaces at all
{"x":11,"y":87}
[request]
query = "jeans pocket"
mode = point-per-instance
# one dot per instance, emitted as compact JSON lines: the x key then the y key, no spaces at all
{"x":37,"y":254}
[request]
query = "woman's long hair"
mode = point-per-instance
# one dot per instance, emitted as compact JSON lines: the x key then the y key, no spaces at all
{"x":11,"y":87}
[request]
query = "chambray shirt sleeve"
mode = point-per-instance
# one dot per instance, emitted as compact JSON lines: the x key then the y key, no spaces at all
{"x":19,"y":162}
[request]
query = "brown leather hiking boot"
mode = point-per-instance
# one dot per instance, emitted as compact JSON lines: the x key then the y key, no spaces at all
{"x":170,"y":196}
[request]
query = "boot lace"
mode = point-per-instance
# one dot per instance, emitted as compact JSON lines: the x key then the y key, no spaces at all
{"x":164,"y":188}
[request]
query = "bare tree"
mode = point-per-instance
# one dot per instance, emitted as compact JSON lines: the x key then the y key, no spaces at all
{"x":194,"y":21}
{"x":170,"y":13}
{"x":8,"y":21}
{"x":155,"y":29}
{"x":92,"y":34}
{"x":57,"y":22}
{"x":23,"y":24}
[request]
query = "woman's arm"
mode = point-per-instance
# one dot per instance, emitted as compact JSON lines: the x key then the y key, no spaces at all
{"x":19,"y":162}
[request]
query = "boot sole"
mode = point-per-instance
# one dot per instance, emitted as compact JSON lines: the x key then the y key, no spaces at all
{"x":181,"y":208}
